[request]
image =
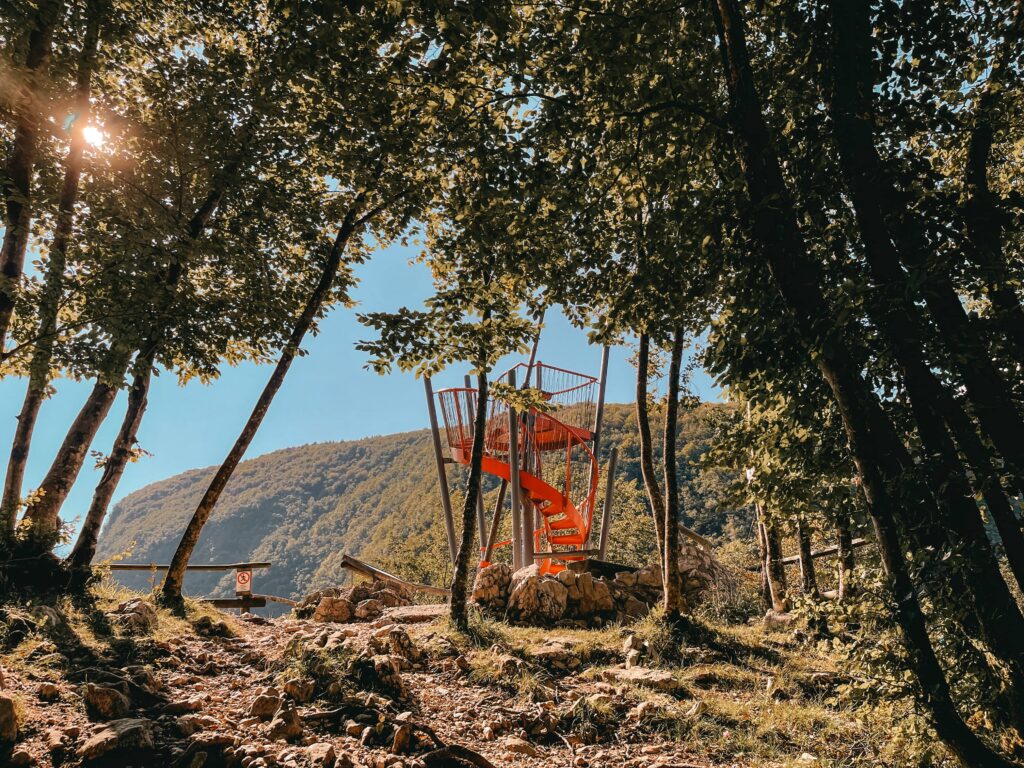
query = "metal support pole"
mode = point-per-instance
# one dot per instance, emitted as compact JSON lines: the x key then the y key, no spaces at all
{"x":598,"y":418}
{"x":513,"y":463}
{"x":609,"y":493}
{"x":442,"y":474}
{"x":495,"y":521}
{"x":528,"y":531}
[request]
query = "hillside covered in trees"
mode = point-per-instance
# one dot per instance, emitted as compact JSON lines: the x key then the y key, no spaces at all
{"x":302,"y":508}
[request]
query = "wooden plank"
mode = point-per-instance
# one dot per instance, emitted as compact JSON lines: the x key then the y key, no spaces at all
{"x":824,"y":552}
{"x":204,"y":567}
{"x":237,"y":602}
{"x":347,"y":561}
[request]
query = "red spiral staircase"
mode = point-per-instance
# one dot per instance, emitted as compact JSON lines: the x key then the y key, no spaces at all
{"x":557,"y":471}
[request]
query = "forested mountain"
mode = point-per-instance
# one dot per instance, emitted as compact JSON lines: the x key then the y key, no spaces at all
{"x":302,"y":507}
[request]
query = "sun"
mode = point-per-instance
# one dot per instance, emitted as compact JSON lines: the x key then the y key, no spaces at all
{"x":93,"y":136}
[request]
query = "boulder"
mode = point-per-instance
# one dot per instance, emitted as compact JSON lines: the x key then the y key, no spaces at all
{"x":10,"y":720}
{"x":403,"y":646}
{"x":334,"y":609}
{"x":369,"y":609}
{"x":103,"y":703}
{"x":534,"y":599}
{"x":286,"y":725}
{"x":300,"y":689}
{"x":266,"y":704}
{"x":135,"y":615}
{"x":321,"y":755}
{"x":491,"y":587}
{"x":124,"y":735}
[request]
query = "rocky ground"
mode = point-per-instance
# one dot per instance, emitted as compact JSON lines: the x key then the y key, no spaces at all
{"x":115,"y":682}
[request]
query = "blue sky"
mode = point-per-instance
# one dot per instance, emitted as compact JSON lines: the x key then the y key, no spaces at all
{"x":328,"y":394}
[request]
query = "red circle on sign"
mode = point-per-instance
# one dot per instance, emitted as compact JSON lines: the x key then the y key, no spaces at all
{"x":243,"y":577}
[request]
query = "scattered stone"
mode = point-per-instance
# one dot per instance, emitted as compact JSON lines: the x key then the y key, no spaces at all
{"x":655,"y":679}
{"x":402,"y":741}
{"x":48,"y":692}
{"x":207,"y":627}
{"x":778,"y":620}
{"x":21,"y":757}
{"x":321,"y":755}
{"x":286,"y":725}
{"x":521,"y":746}
{"x":633,"y":659}
{"x":103,"y":703}
{"x":135,"y":616}
{"x":10,"y":722}
{"x":133,"y":734}
{"x":369,"y":609}
{"x":266,"y":704}
{"x":300,"y":689}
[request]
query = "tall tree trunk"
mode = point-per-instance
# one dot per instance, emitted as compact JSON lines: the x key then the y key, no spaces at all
{"x":85,"y":547}
{"x":999,"y":616}
{"x":876,"y":200}
{"x":984,"y":213}
{"x":672,"y":592}
{"x":776,"y":571}
{"x":868,"y":431}
{"x":171,"y":589}
{"x":808,"y":579}
{"x":17,"y":189}
{"x":845,"y":558}
{"x":464,"y":559}
{"x":43,"y":513}
{"x":39,"y":368}
{"x":643,"y":422}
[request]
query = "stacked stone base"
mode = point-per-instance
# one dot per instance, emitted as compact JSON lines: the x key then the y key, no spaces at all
{"x":585,"y":600}
{"x":365,"y":601}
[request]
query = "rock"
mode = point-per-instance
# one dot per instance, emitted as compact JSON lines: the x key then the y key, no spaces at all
{"x":655,"y":679}
{"x":10,"y":720}
{"x":491,"y":587}
{"x":556,"y":654}
{"x":265,"y":704}
{"x":521,"y":746}
{"x":633,"y":659}
{"x":321,"y":755}
{"x":287,"y":724}
{"x":129,"y":734}
{"x":649,"y":576}
{"x":625,"y":578}
{"x":378,"y":673}
{"x":402,"y":645}
{"x":22,"y":757}
{"x":402,"y":742}
{"x":334,"y":609}
{"x":184,"y":706}
{"x":352,"y":728}
{"x":778,"y":620}
{"x":300,"y":689}
{"x":369,"y":609}
{"x":103,"y":703}
{"x":48,"y":692}
{"x":207,"y":627}
{"x":534,"y":599}
{"x":135,"y":615}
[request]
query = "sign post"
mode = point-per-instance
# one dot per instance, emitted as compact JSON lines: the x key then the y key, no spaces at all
{"x":243,"y":589}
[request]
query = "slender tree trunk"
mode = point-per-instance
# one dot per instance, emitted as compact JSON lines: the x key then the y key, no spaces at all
{"x":43,"y":514}
{"x":464,"y":559}
{"x":672,"y":592}
{"x":808,"y":579}
{"x":869,"y":433}
{"x":762,"y":548}
{"x":39,"y":368}
{"x":776,"y":571}
{"x":17,"y":189}
{"x":171,"y":589}
{"x":845,"y":557}
{"x":643,"y":422}
{"x":85,"y":547}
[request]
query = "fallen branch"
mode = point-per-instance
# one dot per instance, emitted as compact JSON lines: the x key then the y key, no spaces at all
{"x":455,"y":756}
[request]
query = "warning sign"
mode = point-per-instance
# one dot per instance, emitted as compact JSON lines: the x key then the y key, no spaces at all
{"x":243,"y":582}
